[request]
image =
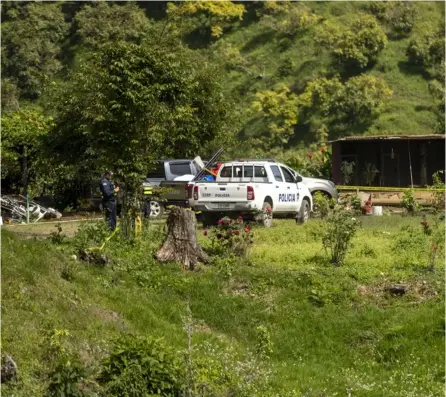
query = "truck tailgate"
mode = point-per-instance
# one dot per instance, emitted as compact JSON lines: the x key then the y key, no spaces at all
{"x":221,"y":195}
{"x":175,"y":190}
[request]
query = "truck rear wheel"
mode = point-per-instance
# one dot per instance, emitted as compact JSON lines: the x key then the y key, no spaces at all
{"x":266,"y":217}
{"x":209,"y":219}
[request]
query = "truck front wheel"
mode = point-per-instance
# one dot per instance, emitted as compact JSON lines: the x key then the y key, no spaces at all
{"x":154,"y":209}
{"x":304,"y":213}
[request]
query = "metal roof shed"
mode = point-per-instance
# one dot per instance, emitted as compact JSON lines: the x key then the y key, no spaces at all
{"x":396,"y":161}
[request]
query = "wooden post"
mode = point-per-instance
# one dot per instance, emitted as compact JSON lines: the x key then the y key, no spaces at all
{"x":410,"y":164}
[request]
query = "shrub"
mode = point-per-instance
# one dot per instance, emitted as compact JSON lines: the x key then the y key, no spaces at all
{"x":66,"y":380}
{"x":427,"y":49}
{"x":287,"y":18}
{"x":358,"y":44}
{"x":57,"y":237}
{"x":341,"y":228}
{"x":230,"y":237}
{"x":409,"y":203}
{"x":90,"y":233}
{"x":286,"y":68}
{"x":438,"y":190}
{"x":400,"y":16}
{"x":355,"y":202}
{"x":322,"y":204}
{"x":144,"y":366}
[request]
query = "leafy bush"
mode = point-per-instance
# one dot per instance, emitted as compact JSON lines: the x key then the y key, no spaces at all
{"x":409,"y":203}
{"x":322,"y":204}
{"x":141,"y":367}
{"x":230,"y":237}
{"x":400,"y":16}
{"x":279,"y":109}
{"x":286,"y":68}
{"x":287,"y":18}
{"x":90,"y":233}
{"x":358,"y":44}
{"x":427,"y":49}
{"x":341,"y":228}
{"x":66,"y":379}
{"x":355,"y":202}
{"x":360,"y":100}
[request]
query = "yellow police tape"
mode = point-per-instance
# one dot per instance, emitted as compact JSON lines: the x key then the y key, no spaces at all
{"x":105,"y":241}
{"x":138,"y":226}
{"x":388,"y":189}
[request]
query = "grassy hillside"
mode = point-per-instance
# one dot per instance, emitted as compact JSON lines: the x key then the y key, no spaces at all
{"x":411,"y":107}
{"x":332,"y":329}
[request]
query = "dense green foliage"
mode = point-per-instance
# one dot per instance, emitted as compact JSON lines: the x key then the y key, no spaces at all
{"x":179,"y":79}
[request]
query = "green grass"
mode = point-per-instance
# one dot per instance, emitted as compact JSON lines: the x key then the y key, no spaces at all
{"x":332,"y":328}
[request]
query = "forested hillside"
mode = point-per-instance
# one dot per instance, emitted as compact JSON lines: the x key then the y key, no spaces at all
{"x":87,"y":85}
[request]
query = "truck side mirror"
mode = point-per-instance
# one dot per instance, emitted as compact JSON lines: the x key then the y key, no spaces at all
{"x":298,"y":178}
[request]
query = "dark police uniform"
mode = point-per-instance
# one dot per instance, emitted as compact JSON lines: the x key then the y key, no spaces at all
{"x":109,"y":202}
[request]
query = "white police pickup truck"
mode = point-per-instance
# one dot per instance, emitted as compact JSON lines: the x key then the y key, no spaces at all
{"x":259,"y":188}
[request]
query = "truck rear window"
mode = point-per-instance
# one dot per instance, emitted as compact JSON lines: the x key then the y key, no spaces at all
{"x":180,"y":168}
{"x":236,"y":171}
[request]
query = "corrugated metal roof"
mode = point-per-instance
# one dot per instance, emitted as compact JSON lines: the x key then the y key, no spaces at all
{"x":391,"y":137}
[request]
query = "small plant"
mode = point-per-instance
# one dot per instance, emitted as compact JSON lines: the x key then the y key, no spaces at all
{"x":366,"y":209}
{"x":438,"y":190}
{"x":426,"y":228}
{"x":264,"y":346}
{"x":66,"y":380}
{"x":231,"y":237}
{"x":355,"y":203}
{"x":57,"y":237}
{"x":347,"y":170}
{"x":68,"y":271}
{"x":341,"y":228}
{"x":409,"y":203}
{"x":140,"y":366}
{"x":368,"y":251}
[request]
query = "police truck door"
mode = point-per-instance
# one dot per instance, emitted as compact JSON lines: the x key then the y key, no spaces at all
{"x":280,"y":188}
{"x":290,"y":199}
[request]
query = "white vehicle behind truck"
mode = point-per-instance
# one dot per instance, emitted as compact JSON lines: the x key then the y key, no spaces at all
{"x":260,"y":188}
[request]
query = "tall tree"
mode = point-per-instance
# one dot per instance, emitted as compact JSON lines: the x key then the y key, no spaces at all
{"x":133,"y":103}
{"x":22,"y":134}
{"x":32,"y":36}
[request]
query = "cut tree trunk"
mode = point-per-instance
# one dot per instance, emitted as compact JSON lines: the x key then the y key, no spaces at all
{"x":181,"y":242}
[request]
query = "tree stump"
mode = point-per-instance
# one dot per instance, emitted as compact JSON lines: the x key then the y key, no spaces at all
{"x":181,"y":242}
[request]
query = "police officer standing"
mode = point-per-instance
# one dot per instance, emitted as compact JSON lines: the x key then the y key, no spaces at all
{"x":109,"y":196}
